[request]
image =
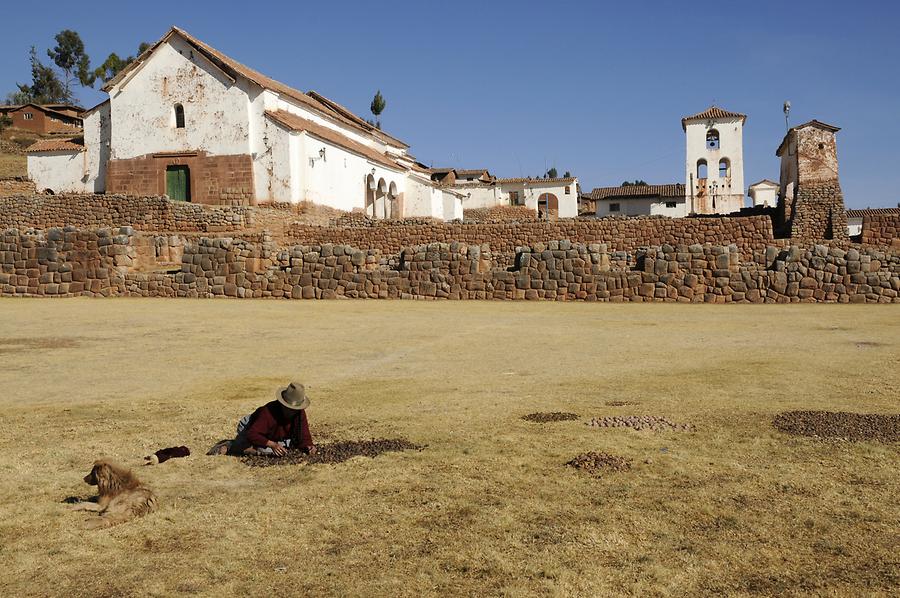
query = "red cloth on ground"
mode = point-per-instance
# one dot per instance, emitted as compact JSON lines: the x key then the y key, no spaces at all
{"x":276,"y":423}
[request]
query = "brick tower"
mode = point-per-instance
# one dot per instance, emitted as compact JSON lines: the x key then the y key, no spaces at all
{"x":810,"y":201}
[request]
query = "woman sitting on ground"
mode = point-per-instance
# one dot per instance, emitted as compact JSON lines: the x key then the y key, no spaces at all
{"x":273,"y":429}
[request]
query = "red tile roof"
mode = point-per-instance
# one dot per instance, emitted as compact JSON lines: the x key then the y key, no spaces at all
{"x":559,"y":180}
{"x":871,"y":212}
{"x":300,"y":124}
{"x":388,"y":139}
{"x":713,"y":112}
{"x":55,"y":108}
{"x":55,"y":145}
{"x":636,"y":191}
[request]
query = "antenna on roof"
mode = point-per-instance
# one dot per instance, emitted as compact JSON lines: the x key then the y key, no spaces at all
{"x":787,"y":112}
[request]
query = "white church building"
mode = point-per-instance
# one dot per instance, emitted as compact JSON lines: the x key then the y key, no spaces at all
{"x":186,"y":121}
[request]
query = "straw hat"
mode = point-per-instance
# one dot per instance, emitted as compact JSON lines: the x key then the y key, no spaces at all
{"x":293,"y":396}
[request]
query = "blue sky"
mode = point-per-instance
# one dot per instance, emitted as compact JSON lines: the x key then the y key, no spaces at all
{"x":593,"y":87}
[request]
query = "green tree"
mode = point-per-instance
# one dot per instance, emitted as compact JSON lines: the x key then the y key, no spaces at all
{"x":5,"y":121}
{"x":377,"y":107}
{"x":551,"y":174}
{"x":635,"y":183}
{"x":70,"y":57}
{"x":45,"y":88}
{"x":114,"y":64}
{"x":110,"y":68}
{"x":567,"y":175}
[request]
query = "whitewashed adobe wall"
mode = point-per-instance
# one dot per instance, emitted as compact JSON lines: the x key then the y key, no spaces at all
{"x":97,"y":131}
{"x":452,"y":205}
{"x":422,"y":199}
{"x":143,"y":106}
{"x":479,"y":196}
{"x":643,"y":207}
{"x":764,"y":195}
{"x":788,"y":175}
{"x":276,"y":161}
{"x":59,"y":172}
{"x":339,"y":179}
{"x":530,"y":191}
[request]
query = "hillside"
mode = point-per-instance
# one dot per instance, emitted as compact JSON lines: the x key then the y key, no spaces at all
{"x":12,"y":152}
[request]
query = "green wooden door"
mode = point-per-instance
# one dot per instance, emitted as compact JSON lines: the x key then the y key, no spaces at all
{"x":178,"y":183}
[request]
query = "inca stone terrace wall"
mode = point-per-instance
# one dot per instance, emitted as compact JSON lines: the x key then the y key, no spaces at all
{"x":881,"y":230}
{"x":70,"y":262}
{"x":623,"y":234}
{"x":16,"y":186}
{"x":141,"y":213}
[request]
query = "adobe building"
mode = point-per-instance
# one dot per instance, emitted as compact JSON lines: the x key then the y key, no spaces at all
{"x":810,"y":202}
{"x":764,"y":194}
{"x":45,"y":119}
{"x":550,"y":198}
{"x":639,"y":200}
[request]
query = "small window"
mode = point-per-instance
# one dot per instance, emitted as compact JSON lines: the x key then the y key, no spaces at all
{"x":568,"y":190}
{"x":724,"y":168}
{"x":712,"y":139}
{"x":671,"y":204}
{"x":179,"y":116}
{"x":28,"y":116}
{"x":701,"y":169}
{"x":513,"y":197}
{"x":613,"y":207}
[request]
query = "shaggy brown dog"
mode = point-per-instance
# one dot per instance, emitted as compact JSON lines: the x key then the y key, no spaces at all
{"x":122,"y":497}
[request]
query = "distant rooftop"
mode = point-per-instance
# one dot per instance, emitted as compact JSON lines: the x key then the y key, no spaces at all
{"x":871,"y":212}
{"x":637,"y":191}
{"x":563,"y":180}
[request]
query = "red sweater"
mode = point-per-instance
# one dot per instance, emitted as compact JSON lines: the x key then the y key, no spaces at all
{"x":269,"y":423}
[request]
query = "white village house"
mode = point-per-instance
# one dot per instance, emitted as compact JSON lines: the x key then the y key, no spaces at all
{"x":187,"y":121}
{"x":551,"y":198}
{"x":764,"y":193}
{"x":639,"y":200}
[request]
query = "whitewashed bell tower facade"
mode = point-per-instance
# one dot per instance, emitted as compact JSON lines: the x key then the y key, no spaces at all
{"x":714,"y":167}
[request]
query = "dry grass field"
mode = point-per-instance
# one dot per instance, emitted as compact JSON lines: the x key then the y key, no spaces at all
{"x":13,"y":165}
{"x":488,"y":507}
{"x":13,"y":162}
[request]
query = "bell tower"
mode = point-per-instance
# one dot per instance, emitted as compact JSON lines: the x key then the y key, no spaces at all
{"x":714,"y":164}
